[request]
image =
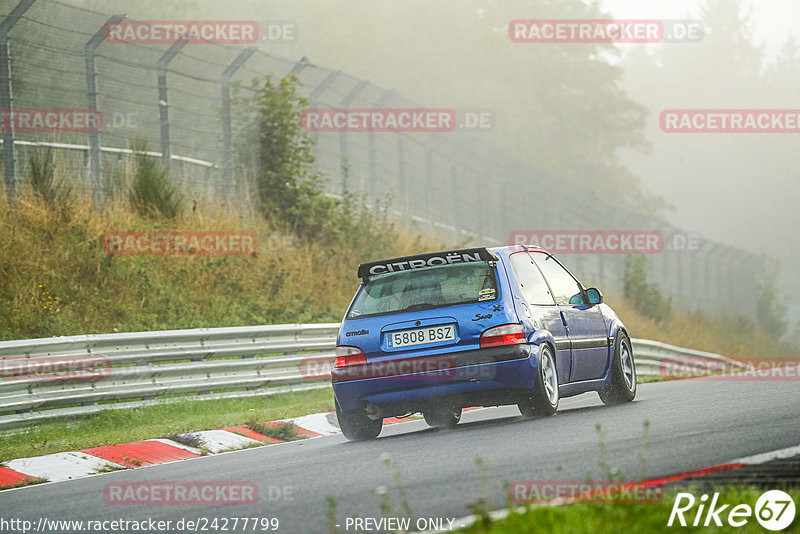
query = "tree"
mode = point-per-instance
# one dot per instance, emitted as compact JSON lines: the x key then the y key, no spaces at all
{"x":643,"y":295}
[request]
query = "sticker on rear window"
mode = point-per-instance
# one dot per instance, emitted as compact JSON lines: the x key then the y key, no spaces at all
{"x":366,"y":270}
{"x":486,"y":294}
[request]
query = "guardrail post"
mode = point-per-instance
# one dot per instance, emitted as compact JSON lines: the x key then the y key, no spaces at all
{"x":163,"y":102}
{"x":227,"y":133}
{"x":91,"y":90}
{"x":7,"y":99}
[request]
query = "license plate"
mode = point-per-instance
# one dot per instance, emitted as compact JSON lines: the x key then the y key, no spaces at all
{"x":420,"y":336}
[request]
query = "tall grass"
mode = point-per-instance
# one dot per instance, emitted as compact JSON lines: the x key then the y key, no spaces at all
{"x":56,"y":278}
{"x":735,"y":337}
{"x":55,"y":195}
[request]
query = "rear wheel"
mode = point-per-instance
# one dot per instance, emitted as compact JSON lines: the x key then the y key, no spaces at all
{"x":543,"y":398}
{"x":356,"y":425}
{"x":623,"y":373}
{"x":442,"y":417}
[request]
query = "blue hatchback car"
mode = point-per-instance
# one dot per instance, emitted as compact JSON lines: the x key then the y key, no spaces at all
{"x":435,"y":333}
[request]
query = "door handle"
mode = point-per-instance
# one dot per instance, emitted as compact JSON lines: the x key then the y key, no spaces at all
{"x":564,"y":320}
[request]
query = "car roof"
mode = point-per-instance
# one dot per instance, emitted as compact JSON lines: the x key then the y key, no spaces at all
{"x":510,"y":249}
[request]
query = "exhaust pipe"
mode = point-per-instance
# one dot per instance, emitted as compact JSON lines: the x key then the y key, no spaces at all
{"x":373,"y":412}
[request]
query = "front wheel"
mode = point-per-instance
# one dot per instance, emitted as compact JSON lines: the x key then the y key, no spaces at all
{"x":623,"y":373}
{"x":356,"y":425}
{"x":543,"y":399}
{"x":442,"y":417}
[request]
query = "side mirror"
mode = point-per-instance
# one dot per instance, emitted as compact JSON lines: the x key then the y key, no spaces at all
{"x":595,"y":297}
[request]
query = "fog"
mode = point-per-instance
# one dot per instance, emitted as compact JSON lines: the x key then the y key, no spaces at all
{"x":587,"y":112}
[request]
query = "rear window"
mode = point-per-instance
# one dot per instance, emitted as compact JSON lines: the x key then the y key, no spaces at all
{"x":424,"y":289}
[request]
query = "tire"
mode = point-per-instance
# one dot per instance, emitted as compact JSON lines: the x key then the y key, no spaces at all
{"x":623,"y":373}
{"x":543,"y":398}
{"x":356,"y":426}
{"x":442,"y":417}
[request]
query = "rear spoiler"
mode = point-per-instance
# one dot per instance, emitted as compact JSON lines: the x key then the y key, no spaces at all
{"x":407,"y":263}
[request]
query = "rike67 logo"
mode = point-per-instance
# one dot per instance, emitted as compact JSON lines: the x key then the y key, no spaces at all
{"x":774,"y":510}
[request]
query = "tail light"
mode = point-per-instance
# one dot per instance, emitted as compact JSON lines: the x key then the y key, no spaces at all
{"x":507,"y":334}
{"x":349,"y":356}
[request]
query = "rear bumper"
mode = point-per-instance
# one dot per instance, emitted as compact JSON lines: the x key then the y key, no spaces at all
{"x":496,"y":375}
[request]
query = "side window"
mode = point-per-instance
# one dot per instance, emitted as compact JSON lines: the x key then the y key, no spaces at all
{"x":564,"y":286}
{"x":534,"y":288}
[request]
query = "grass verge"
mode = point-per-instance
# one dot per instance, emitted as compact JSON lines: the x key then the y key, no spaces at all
{"x":121,"y":426}
{"x":631,"y":518}
{"x":30,"y":481}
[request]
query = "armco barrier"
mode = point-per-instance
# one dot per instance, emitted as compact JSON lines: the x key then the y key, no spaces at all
{"x":651,"y":356}
{"x":131,"y":369}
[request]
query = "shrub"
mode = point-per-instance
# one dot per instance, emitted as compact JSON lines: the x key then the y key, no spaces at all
{"x":152,"y":195}
{"x":645,"y":297}
{"x":289,"y":191}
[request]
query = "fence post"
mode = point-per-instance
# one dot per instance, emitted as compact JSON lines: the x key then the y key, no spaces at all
{"x":427,"y":202}
{"x":456,"y":208}
{"x":91,"y":90}
{"x":163,"y":102}
{"x":431,"y":200}
{"x":7,"y":99}
{"x":371,"y":145}
{"x":299,"y":66}
{"x":227,"y":132}
{"x":483,"y":190}
{"x":313,"y":98}
{"x":701,"y":275}
{"x":343,"y":134}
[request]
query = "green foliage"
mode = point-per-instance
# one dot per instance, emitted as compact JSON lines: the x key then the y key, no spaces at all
{"x":631,"y":518}
{"x":287,"y":186}
{"x":644,"y":296}
{"x":27,"y":481}
{"x":290,"y":192}
{"x":281,"y":431}
{"x":152,"y":194}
